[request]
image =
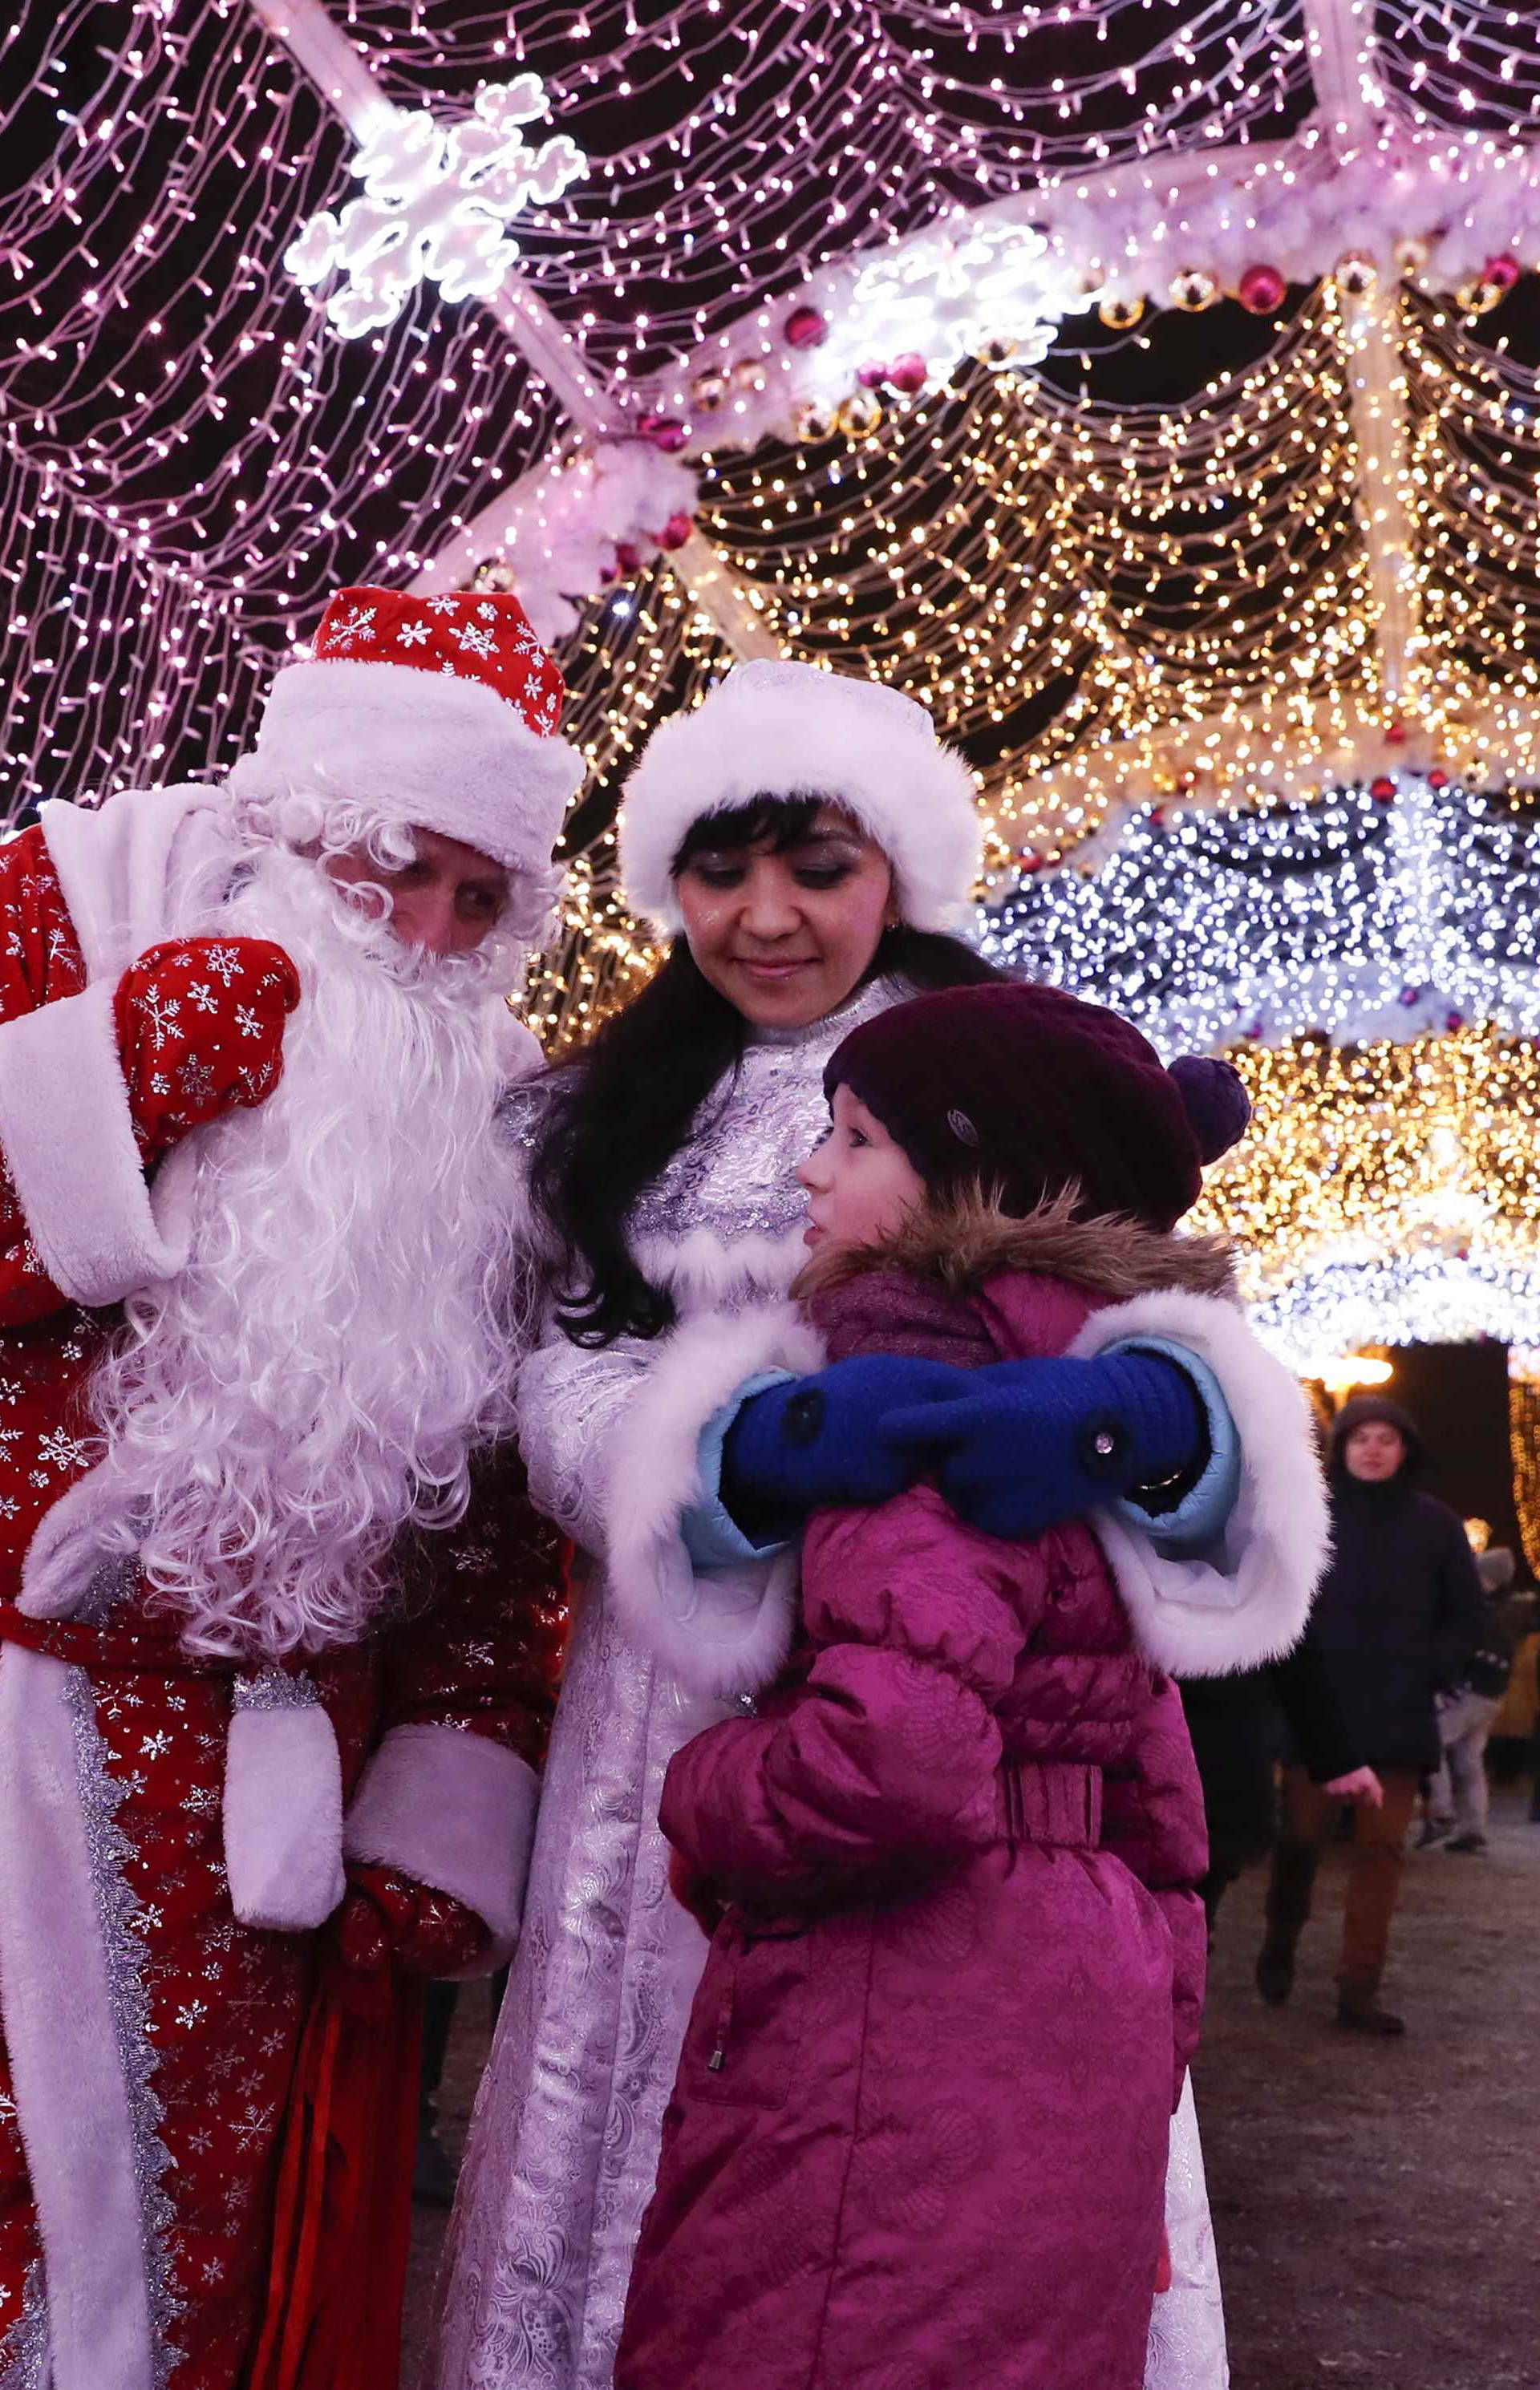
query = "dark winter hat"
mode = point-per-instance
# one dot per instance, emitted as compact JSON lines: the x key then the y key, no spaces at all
{"x":1366,"y":1410}
{"x":1031,"y":1090}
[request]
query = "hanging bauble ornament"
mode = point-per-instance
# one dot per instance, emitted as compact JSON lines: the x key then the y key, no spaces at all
{"x":1193,"y":289}
{"x":1382,"y":789}
{"x":664,"y":431}
{"x":709,"y":393}
{"x":749,"y":376}
{"x":1410,"y":255}
{"x":494,"y":576}
{"x":1480,"y":297}
{"x":1356,"y":274}
{"x":806,"y":327}
{"x":1438,"y":779}
{"x":1261,"y":289}
{"x":860,"y":415}
{"x":676,"y":531}
{"x":1119,"y":315}
{"x":909,"y":373}
{"x":816,"y":424}
{"x":1503,"y":270}
{"x":628,"y":557}
{"x":1000,"y":349}
{"x":873,"y":375}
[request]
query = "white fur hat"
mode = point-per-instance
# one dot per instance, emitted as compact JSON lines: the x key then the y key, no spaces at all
{"x":782,"y":729}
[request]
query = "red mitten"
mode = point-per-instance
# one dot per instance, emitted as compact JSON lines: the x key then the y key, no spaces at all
{"x":200,"y":1025}
{"x":386,"y":1917}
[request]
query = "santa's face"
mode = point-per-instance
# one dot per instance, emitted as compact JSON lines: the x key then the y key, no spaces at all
{"x":316,"y":1378}
{"x":445,"y":901}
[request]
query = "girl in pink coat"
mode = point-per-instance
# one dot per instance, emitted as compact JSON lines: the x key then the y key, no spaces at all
{"x":918,"y":2136}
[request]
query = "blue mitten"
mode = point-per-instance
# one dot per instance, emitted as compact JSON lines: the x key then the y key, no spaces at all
{"x":1029,"y":1444}
{"x":810,"y":1441}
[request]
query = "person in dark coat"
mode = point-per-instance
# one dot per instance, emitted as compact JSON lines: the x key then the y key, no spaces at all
{"x":1398,"y":1613}
{"x":1240,"y":1726}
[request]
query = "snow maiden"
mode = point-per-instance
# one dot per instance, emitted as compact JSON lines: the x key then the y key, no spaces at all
{"x":810,"y":848}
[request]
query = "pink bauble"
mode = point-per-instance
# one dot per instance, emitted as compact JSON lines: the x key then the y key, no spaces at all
{"x":676,"y":531}
{"x":1438,"y":779}
{"x":806,"y":327}
{"x":872,"y":376}
{"x":665,"y":432}
{"x":1260,"y":289}
{"x":1382,"y":789}
{"x":628,"y":556}
{"x":909,"y":373}
{"x":1504,"y":271}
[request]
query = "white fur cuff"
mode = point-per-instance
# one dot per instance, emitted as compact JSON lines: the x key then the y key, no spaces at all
{"x":720,"y":1631}
{"x":453,"y":1811}
{"x":1248,"y":1604}
{"x":69,"y":1144}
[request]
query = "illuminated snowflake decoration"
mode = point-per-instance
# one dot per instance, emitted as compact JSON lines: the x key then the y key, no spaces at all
{"x":972,"y":288}
{"x":435,"y":207}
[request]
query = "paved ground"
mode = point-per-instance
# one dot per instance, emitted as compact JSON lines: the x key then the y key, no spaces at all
{"x":1374,"y":2203}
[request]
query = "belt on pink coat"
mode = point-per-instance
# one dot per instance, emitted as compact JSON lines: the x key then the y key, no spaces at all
{"x":1052,"y":1800}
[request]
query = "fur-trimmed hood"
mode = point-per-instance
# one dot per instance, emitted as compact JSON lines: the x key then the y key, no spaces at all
{"x":963,"y":1243}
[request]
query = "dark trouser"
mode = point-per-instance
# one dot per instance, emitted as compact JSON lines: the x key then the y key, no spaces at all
{"x":1379,"y":1855}
{"x":438,"y":2019}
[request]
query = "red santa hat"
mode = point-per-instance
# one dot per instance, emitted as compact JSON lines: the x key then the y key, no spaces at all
{"x":438,"y":712}
{"x":773,"y":729}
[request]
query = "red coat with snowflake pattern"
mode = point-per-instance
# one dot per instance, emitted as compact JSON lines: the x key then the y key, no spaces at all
{"x":213,"y":2009}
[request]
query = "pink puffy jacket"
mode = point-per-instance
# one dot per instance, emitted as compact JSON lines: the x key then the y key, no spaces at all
{"x":918,"y":2137}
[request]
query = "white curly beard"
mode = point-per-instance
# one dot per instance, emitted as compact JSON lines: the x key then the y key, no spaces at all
{"x":314,"y":1380}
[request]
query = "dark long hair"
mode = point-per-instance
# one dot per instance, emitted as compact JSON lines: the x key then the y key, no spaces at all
{"x":622,"y":1110}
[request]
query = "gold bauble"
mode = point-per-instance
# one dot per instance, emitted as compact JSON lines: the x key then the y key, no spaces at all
{"x":1119,"y":315}
{"x":748,"y":374}
{"x":814,"y":423}
{"x":1193,"y":290}
{"x":1411,"y":255}
{"x":709,"y":391}
{"x":1479,"y":297}
{"x":860,"y":415}
{"x":1356,"y":274}
{"x":1000,"y":349}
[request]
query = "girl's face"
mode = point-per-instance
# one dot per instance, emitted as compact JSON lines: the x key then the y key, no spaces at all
{"x":786,"y":937}
{"x":860,"y":1184}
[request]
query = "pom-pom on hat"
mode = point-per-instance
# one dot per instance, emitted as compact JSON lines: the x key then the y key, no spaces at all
{"x":1030,"y":1091}
{"x":440,"y":713}
{"x":782,"y":729}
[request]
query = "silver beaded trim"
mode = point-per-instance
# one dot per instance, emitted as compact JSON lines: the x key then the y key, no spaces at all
{"x":108,"y":1850}
{"x":274,"y":1689}
{"x":26,"y":2361}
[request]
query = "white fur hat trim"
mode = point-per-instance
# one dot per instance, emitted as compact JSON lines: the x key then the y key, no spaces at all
{"x":447,"y":755}
{"x":784,"y":729}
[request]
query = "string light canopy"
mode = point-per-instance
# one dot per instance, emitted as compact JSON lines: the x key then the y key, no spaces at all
{"x":1145,"y":385}
{"x":1389,"y":1193}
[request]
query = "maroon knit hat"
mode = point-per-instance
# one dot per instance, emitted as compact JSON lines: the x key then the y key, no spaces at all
{"x":1031,"y":1090}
